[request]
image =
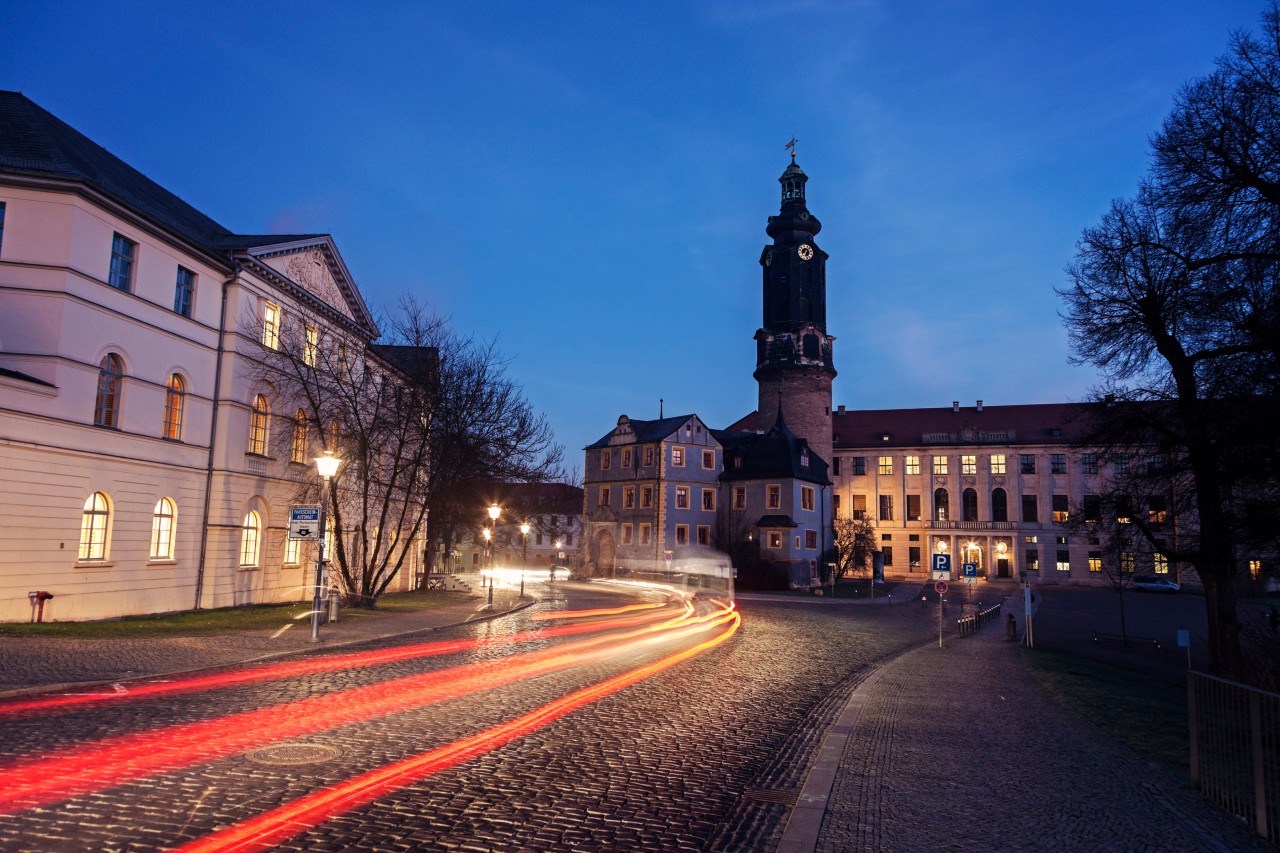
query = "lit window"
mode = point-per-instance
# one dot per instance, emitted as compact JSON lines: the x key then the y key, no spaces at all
{"x":739,"y":497}
{"x":913,"y":464}
{"x":775,"y":539}
{"x":1126,"y":563}
{"x":1255,"y":569}
{"x":677,"y":457}
{"x":250,"y":538}
{"x":174,"y":402}
{"x":629,"y":497}
{"x":941,"y":505}
{"x":997,"y":463}
{"x":123,"y":252}
{"x":106,"y":408}
{"x":704,"y":535}
{"x":301,"y":439}
{"x":646,"y":497}
{"x":292,"y":552}
{"x":311,"y":347}
{"x":886,"y":464}
{"x":806,"y":498}
{"x":1057,"y":463}
{"x":1095,"y":561}
{"x":606,"y":459}
{"x":94,"y":524}
{"x":774,"y":500}
{"x":682,"y":534}
{"x":968,"y":464}
{"x":1064,"y":561}
{"x":1160,"y":563}
{"x":259,"y":417}
{"x":1033,"y":560}
{"x":708,"y":459}
{"x":940,"y":465}
{"x":184,"y":291}
{"x":709,"y":500}
{"x":1157,"y":509}
{"x":162,"y":518}
{"x":682,"y":497}
{"x":271,"y":326}
{"x":804,"y":457}
{"x":1060,"y":509}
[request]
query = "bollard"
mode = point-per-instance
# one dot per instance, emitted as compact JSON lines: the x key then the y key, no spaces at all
{"x":1010,"y":628}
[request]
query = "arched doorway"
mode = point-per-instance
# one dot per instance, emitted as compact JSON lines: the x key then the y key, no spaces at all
{"x":606,"y":550}
{"x":971,"y":552}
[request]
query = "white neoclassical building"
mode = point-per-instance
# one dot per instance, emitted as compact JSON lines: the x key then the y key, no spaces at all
{"x":137,"y":468}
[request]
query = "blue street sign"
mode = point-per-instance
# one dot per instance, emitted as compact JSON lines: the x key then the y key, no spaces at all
{"x":942,"y":565}
{"x":970,"y":570}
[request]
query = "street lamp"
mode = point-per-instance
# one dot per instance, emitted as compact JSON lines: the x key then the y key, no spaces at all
{"x":326,"y":466}
{"x":524,"y":554}
{"x":494,"y":512}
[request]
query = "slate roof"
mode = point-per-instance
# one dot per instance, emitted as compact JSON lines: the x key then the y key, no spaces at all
{"x":775,"y":454}
{"x":36,"y":143}
{"x":647,"y":431}
{"x":776,"y":521}
{"x":1017,"y":424}
{"x":25,"y":377}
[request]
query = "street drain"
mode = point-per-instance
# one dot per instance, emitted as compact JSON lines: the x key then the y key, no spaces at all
{"x":290,"y":754}
{"x":769,"y":795}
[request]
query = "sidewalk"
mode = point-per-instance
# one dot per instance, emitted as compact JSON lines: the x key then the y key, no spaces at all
{"x":29,"y":664}
{"x":960,"y":749}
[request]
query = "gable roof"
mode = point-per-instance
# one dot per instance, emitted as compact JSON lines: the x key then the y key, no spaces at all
{"x":778,"y":454}
{"x":643,"y":432}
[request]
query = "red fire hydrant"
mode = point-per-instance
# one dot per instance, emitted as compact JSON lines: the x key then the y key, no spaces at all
{"x":38,"y":599}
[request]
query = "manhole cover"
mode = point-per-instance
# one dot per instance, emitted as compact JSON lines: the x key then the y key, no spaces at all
{"x":768,"y":795}
{"x":288,"y":754}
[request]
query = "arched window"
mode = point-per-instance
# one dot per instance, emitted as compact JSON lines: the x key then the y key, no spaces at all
{"x":175,"y":400}
{"x":258,"y":419}
{"x":999,"y":505}
{"x":941,"y":505}
{"x":969,"y":503}
{"x":301,"y":441}
{"x":94,"y":524}
{"x":162,"y":518}
{"x":106,"y":408}
{"x":250,"y":538}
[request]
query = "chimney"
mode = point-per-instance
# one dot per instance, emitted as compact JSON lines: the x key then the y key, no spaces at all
{"x":955,"y":406}
{"x":979,"y":405}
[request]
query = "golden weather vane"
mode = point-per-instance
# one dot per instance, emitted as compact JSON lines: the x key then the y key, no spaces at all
{"x":791,"y":146}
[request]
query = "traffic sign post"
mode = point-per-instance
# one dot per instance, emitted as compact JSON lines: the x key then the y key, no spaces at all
{"x":942,"y":567}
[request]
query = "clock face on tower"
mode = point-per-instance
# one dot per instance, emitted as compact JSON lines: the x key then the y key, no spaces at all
{"x":805,"y":251}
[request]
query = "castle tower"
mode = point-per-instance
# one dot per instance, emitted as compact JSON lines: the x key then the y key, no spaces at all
{"x":794,"y":367}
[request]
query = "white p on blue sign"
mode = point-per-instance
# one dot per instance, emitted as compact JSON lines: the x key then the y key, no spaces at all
{"x":970,"y":570}
{"x":942,"y":566}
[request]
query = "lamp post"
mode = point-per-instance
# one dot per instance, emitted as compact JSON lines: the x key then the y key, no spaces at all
{"x":524,"y":554}
{"x":494,"y":512}
{"x":327,"y":466}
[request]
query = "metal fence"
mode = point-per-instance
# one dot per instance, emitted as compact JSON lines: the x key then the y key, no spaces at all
{"x":1235,"y":749}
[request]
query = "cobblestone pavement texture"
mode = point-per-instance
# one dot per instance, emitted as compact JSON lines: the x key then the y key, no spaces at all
{"x":955,"y":749}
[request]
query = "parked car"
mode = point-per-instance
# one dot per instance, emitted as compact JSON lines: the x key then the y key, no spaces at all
{"x":1154,"y":583}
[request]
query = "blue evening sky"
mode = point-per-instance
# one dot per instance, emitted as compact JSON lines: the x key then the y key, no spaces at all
{"x":588,"y":182}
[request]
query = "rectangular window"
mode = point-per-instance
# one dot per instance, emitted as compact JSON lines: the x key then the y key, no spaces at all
{"x":1064,"y":561}
{"x":1089,"y":463}
{"x":806,"y":498}
{"x":646,"y":497}
{"x":123,"y":254}
{"x":708,"y":459}
{"x":835,"y":466}
{"x":645,"y":533}
{"x":629,"y":497}
{"x":940,"y":466}
{"x":677,"y":457}
{"x":1122,"y":463}
{"x":1157,"y":509}
{"x":1061,"y":540}
{"x":709,"y":500}
{"x":835,"y":505}
{"x":912,"y":464}
{"x":682,"y":497}
{"x":1095,"y":561}
{"x":1060,"y":509}
{"x":271,"y":326}
{"x":626,"y":534}
{"x":1255,"y":569}
{"x":292,"y":552}
{"x":1092,"y":509}
{"x":811,"y":539}
{"x":886,"y":464}
{"x":682,"y":534}
{"x":604,"y":496}
{"x":1,"y":226}
{"x":739,"y":497}
{"x":1029,"y":510}
{"x":606,"y":459}
{"x":859,"y":506}
{"x":626,"y":457}
{"x":1027,"y":463}
{"x":1031,"y":540}
{"x":859,"y":465}
{"x":775,"y":539}
{"x":1126,"y":563}
{"x":886,"y":507}
{"x":913,"y":507}
{"x":1057,"y":463}
{"x":1155,"y":462}
{"x":184,"y":290}
{"x":1160,"y":563}
{"x":913,"y":557}
{"x":648,"y":455}
{"x":968,"y":464}
{"x":774,"y":500}
{"x":1033,"y":560}
{"x":997,"y":463}
{"x":311,"y":346}
{"x":888,"y":555}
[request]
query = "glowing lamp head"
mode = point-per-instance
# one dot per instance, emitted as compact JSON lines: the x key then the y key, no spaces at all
{"x":487,"y":534}
{"x":494,"y":512}
{"x":524,"y":528}
{"x":327,"y":464}
{"x":1001,"y":547}
{"x":942,"y":546}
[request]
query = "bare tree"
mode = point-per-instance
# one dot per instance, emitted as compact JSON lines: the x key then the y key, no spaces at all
{"x":1173,"y":296}
{"x":855,"y":545}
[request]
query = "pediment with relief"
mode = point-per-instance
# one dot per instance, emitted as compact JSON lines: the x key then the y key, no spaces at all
{"x":310,"y":269}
